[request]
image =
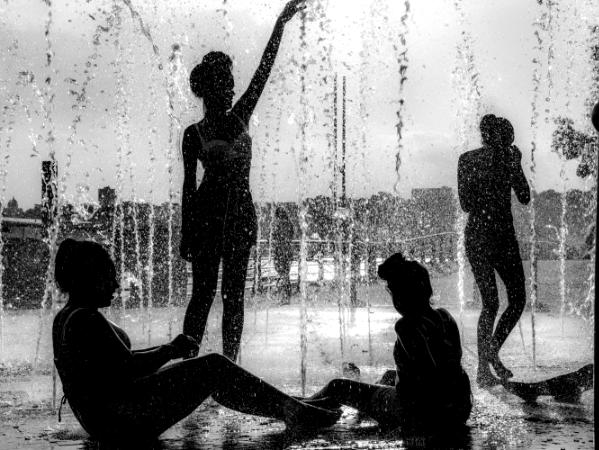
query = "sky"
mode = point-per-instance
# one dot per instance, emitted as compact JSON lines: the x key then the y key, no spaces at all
{"x":101,"y":105}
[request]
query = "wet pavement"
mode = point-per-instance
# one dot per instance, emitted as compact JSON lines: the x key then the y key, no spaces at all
{"x":271,"y":343}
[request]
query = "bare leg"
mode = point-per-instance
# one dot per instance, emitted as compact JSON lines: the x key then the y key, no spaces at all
{"x":388,"y":378}
{"x":484,"y":274}
{"x":205,"y":278}
{"x":511,"y":272}
{"x":235,"y":263}
{"x":377,"y":401}
{"x":162,"y":399}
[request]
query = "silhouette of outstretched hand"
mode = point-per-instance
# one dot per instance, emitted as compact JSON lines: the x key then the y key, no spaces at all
{"x":291,"y":9}
{"x":184,"y":346}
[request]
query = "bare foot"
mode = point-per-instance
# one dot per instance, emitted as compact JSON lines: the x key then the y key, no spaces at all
{"x":303,"y":415}
{"x":502,"y":372}
{"x":485,"y":379}
{"x":321,"y":402}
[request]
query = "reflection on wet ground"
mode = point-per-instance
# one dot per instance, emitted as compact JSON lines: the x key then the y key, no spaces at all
{"x":499,"y":419}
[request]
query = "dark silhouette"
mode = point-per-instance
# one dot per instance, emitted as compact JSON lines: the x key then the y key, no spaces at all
{"x":595,"y":116}
{"x":486,"y":177}
{"x":565,"y":388}
{"x":218,"y":218}
{"x":119,"y":393}
{"x":430,"y":389}
{"x":282,"y":247}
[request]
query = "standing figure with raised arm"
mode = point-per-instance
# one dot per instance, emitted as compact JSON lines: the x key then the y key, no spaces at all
{"x":486,"y":178}
{"x":219,"y":219}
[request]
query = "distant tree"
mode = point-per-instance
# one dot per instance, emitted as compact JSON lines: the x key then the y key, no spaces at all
{"x":34,"y":213}
{"x":571,"y":143}
{"x":12,"y":209}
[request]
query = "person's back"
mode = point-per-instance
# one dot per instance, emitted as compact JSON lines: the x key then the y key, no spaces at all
{"x":487,"y":188}
{"x":86,"y":365}
{"x":432,"y":387}
{"x":431,"y":382}
{"x":486,"y":177}
{"x":429,"y":392}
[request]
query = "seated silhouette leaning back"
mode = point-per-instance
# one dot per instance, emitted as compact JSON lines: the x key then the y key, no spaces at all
{"x":431,"y":390}
{"x":119,"y":393}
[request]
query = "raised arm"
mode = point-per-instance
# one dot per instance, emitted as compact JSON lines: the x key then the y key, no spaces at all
{"x":518,"y":179}
{"x":245,"y":106}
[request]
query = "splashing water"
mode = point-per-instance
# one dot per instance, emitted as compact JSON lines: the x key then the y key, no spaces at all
{"x":50,"y":292}
{"x":118,"y":225}
{"x":8,"y":112}
{"x":303,"y":266}
{"x":402,"y":62}
{"x":552,"y":16}
{"x":540,"y":27}
{"x":466,"y":79}
{"x":175,"y":75}
{"x":144,"y":29}
{"x":563,"y":230}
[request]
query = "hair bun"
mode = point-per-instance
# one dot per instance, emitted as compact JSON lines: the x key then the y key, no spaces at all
{"x":391,"y":266}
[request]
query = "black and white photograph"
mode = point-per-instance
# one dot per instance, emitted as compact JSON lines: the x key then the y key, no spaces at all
{"x":298,"y":224}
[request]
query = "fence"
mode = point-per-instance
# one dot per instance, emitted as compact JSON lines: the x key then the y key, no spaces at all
{"x":359,"y":260}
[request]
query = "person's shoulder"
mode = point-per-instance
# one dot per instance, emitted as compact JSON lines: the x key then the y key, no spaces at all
{"x":404,"y":326}
{"x":471,"y":155}
{"x":87,"y":314}
{"x":191,"y":131}
{"x":446,"y":317}
{"x":75,"y":318}
{"x":444,"y":313}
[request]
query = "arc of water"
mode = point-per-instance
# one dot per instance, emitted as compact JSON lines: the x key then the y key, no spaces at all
{"x":540,"y":26}
{"x":119,"y":218}
{"x":150,"y":247}
{"x":279,"y":78}
{"x":47,"y":100}
{"x":364,"y":116}
{"x":552,"y":16}
{"x":588,"y":308}
{"x":303,"y":210}
{"x":563,"y":231}
{"x":174,"y":129}
{"x":403,"y":63}
{"x":8,"y":110}
{"x":54,"y":210}
{"x":227,"y":25}
{"x":339,"y":266}
{"x":133,"y":210}
{"x":467,"y":79}
{"x":150,"y":266}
